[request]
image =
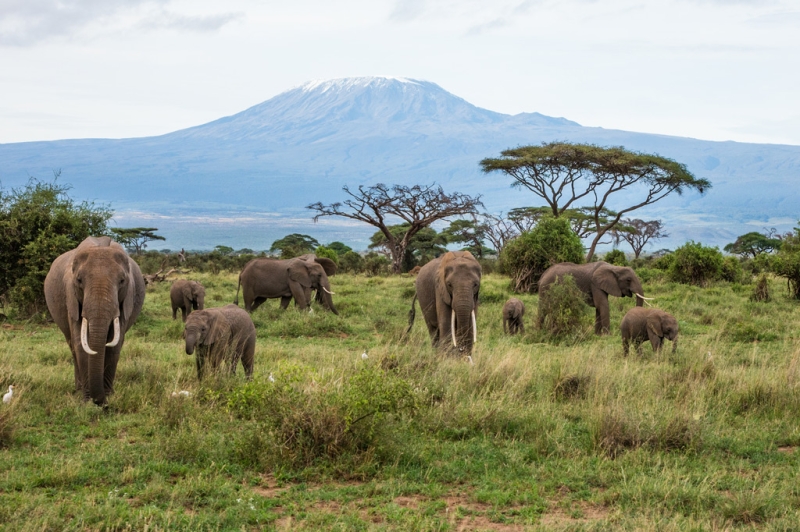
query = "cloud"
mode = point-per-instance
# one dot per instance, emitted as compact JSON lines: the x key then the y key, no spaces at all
{"x":28,"y":22}
{"x":407,"y":10}
{"x":488,"y":26}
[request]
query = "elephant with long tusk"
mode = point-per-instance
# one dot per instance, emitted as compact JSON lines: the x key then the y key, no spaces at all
{"x":95,"y":293}
{"x":447,"y":289}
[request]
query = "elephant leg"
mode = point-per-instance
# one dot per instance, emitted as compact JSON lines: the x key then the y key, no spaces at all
{"x":200,"y":362}
{"x":625,"y":346}
{"x":598,"y":321}
{"x":285,"y":300}
{"x":175,"y":313}
{"x":256,"y":303}
{"x":674,"y":345}
{"x":655,"y":340}
{"x":248,"y":357}
{"x":505,"y":326}
{"x":521,"y":326}
{"x":299,"y":295}
{"x":110,"y":369}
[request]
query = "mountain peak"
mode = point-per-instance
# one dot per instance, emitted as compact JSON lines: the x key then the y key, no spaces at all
{"x":346,"y":84}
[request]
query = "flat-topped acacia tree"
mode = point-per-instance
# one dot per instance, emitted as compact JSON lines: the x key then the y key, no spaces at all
{"x":566,"y":175}
{"x":382,"y":205}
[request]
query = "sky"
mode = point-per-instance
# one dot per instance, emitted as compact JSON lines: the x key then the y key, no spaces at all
{"x":708,"y":69}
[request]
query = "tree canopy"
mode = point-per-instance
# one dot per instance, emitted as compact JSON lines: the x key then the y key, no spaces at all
{"x":135,"y":238}
{"x":566,"y":175}
{"x":294,"y":245}
{"x":425,"y":245}
{"x":753,"y":244}
{"x":381,"y":205}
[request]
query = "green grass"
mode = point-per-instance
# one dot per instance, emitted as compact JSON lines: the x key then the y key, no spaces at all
{"x":534,"y":435}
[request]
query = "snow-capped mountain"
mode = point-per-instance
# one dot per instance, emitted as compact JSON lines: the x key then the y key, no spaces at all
{"x":244,"y":180}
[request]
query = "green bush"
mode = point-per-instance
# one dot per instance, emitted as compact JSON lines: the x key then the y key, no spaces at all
{"x":328,"y":253}
{"x":664,"y":262}
{"x":375,"y":264}
{"x":616,"y":257}
{"x":761,"y":289}
{"x":696,"y":264}
{"x":309,"y":420}
{"x":351,"y":262}
{"x":650,"y":275}
{"x":732,"y":271}
{"x":787,"y":262}
{"x":562,"y":309}
{"x":38,"y":223}
{"x":526,"y":257}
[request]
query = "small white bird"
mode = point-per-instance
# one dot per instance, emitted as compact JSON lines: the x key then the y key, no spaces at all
{"x":469,"y":359}
{"x":7,"y":397}
{"x":182,"y":393}
{"x":271,"y":378}
{"x":364,"y":356}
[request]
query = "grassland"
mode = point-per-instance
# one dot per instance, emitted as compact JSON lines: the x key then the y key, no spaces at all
{"x":532,"y":436}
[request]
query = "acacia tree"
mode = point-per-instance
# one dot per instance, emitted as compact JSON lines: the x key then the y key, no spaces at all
{"x":422,"y":247}
{"x":472,"y":233}
{"x":419,"y":206}
{"x":294,"y":245}
{"x":136,"y":238}
{"x":639,"y":233}
{"x":754,"y":244}
{"x":565,"y":174}
{"x":498,"y":230}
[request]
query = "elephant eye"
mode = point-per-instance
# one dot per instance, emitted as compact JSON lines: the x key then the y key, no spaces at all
{"x":122,"y":281}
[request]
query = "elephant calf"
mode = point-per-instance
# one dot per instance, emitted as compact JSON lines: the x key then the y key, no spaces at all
{"x":641,"y":324}
{"x":187,"y":296}
{"x":221,"y":333}
{"x":513,"y":311}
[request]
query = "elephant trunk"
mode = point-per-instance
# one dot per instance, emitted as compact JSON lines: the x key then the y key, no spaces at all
{"x":327,"y":296}
{"x":464,"y":332}
{"x":191,"y":340}
{"x":201,"y":302}
{"x":636,"y":288}
{"x":96,"y":332}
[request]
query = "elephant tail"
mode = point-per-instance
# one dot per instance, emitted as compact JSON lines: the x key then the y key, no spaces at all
{"x":236,"y":301}
{"x":411,"y":315}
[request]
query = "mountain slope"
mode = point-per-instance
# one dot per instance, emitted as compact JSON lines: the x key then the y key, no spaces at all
{"x":256,"y":170}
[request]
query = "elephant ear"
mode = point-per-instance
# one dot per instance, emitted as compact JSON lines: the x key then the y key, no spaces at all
{"x":73,"y":305}
{"x":327,"y":264}
{"x":130,"y":290}
{"x":298,"y":272}
{"x":219,"y":329}
{"x":654,"y":325}
{"x":441,"y":280}
{"x":605,"y":279}
{"x":187,"y":291}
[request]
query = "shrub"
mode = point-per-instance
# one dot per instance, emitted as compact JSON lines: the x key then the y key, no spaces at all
{"x":761,"y":289}
{"x":375,"y":264}
{"x":616,"y":257}
{"x":526,"y":257}
{"x":328,"y":253}
{"x":351,"y":262}
{"x":696,"y":264}
{"x":731,"y":270}
{"x":562,"y":308}
{"x":313,"y":421}
{"x":37,"y":224}
{"x":664,"y":262}
{"x":787,"y":262}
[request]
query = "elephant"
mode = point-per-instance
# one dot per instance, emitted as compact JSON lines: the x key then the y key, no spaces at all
{"x":95,"y":293}
{"x":187,"y":296}
{"x":513,"y":311}
{"x":597,"y":280}
{"x":221,"y":333}
{"x":640,"y":324}
{"x":447,"y":288}
{"x":265,"y":278}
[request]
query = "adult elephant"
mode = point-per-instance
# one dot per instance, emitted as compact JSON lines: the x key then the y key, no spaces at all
{"x":264,"y":278}
{"x":95,"y":293}
{"x":597,"y":281}
{"x":447,"y":289}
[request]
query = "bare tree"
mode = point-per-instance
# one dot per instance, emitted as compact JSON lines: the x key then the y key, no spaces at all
{"x":498,"y":230}
{"x":564,"y":174}
{"x":639,"y":233}
{"x":419,"y":206}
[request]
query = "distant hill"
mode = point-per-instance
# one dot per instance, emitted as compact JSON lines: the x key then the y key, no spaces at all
{"x":244,"y":180}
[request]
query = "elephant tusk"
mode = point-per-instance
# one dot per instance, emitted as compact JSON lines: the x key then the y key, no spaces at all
{"x":474,"y":329}
{"x":84,"y":337}
{"x":328,"y":291}
{"x":645,"y":299}
{"x":115,"y":341}
{"x":453,"y":326}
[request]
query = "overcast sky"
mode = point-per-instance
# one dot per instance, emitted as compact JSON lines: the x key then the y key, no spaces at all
{"x":710,"y":69}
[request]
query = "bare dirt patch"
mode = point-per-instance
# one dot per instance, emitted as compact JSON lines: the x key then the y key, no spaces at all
{"x":787,"y":449}
{"x":581,"y":512}
{"x":412,"y":502}
{"x":269,"y":487}
{"x":480,"y":522}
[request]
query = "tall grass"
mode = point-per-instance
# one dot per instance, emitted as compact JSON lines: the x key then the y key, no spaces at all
{"x":531,"y":433}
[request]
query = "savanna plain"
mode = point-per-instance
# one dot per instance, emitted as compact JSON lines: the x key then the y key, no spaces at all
{"x":534,"y":434}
